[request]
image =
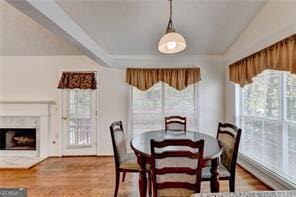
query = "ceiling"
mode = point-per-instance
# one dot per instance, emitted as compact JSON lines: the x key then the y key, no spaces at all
{"x":134,"y":27}
{"x":22,"y":36}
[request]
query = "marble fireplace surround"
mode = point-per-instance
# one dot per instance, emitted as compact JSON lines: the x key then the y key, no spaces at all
{"x":28,"y":114}
{"x":22,"y":122}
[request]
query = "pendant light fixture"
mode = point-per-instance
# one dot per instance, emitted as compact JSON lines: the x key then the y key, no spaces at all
{"x":171,"y":42}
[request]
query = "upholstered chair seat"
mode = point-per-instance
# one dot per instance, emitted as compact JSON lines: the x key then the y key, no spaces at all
{"x":124,"y":161}
{"x":180,"y":192}
{"x":228,"y":136}
{"x":129,"y":161}
{"x":175,"y":193}
{"x":206,"y":173}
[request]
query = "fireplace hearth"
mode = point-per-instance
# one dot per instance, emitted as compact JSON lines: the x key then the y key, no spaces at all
{"x":17,"y":138}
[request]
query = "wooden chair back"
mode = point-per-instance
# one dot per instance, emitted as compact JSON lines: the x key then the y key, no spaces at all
{"x":229,"y":137}
{"x":176,"y":164}
{"x":118,"y":142}
{"x":175,"y":123}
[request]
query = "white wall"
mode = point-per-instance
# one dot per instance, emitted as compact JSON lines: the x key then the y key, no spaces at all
{"x":21,"y":35}
{"x":36,"y":78}
{"x":276,"y":21}
{"x":113,"y":95}
{"x":33,"y":76}
{"x":211,"y":86}
{"x":211,"y":96}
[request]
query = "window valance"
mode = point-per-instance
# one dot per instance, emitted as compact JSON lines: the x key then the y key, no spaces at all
{"x":178,"y":78}
{"x":279,"y":56}
{"x":80,"y":80}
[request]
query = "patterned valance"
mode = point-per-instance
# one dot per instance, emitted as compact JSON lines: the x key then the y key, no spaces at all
{"x":279,"y":56}
{"x":80,"y":80}
{"x":178,"y":78}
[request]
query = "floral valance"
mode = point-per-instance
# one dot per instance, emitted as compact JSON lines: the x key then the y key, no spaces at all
{"x":279,"y":56}
{"x":80,"y":80}
{"x":178,"y":78}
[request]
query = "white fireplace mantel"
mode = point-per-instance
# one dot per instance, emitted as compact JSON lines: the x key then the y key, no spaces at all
{"x":19,"y":101}
{"x":15,"y":107}
{"x":34,"y":108}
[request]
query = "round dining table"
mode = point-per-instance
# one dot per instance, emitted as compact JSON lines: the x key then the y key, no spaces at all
{"x":211,"y":157}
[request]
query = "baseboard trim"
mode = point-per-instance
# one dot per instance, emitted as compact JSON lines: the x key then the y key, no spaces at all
{"x":268,"y":177}
{"x":79,"y":156}
{"x":105,"y":155}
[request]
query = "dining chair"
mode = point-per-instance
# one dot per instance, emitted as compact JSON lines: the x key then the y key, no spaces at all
{"x":124,"y":161}
{"x":175,"y":123}
{"x":228,"y":136}
{"x":176,"y":167}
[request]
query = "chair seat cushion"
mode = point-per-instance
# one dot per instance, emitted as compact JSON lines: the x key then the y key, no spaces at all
{"x":129,"y":162}
{"x":171,"y":192}
{"x":206,"y":173}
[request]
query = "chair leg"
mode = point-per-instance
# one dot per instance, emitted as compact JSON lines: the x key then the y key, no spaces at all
{"x":232,"y":184}
{"x":123,"y":177}
{"x":149,"y":184}
{"x":117,"y":182}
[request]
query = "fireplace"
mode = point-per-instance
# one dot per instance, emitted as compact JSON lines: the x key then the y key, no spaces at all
{"x":17,"y":138}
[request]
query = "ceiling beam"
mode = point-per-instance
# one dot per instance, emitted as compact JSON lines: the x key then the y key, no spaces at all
{"x":49,"y":14}
{"x":178,"y":60}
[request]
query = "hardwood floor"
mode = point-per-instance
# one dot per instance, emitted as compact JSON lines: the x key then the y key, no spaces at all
{"x":91,"y":176}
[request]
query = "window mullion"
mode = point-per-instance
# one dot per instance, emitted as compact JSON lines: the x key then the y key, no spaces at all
{"x":283,"y":97}
{"x":240,"y":102}
{"x":196,"y":107}
{"x":130,"y":125}
{"x":163,"y":101}
{"x":283,"y":117}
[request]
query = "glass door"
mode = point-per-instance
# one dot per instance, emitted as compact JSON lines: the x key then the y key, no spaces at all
{"x":79,"y":122}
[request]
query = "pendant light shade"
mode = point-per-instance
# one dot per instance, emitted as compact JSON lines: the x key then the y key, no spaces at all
{"x":171,"y":42}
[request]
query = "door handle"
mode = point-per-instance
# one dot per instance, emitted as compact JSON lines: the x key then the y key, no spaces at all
{"x":64,"y":118}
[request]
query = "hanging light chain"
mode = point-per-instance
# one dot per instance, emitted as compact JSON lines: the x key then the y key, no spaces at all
{"x":170,"y":27}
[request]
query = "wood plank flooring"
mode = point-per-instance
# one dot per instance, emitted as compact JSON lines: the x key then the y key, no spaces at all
{"x":91,"y":176}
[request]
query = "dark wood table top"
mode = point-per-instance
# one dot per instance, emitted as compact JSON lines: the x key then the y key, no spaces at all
{"x":141,"y":143}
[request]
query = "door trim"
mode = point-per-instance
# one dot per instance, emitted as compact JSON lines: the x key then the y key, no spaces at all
{"x":60,"y":104}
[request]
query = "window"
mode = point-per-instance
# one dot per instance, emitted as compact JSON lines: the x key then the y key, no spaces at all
{"x":268,"y":120}
{"x":79,"y":115}
{"x":148,"y":108}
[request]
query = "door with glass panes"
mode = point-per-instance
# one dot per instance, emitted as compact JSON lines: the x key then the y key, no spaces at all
{"x":79,"y":122}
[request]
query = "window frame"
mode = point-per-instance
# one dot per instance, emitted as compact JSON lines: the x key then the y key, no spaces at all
{"x":92,"y":139}
{"x":196,"y":107}
{"x":97,"y":105}
{"x":282,"y":121}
